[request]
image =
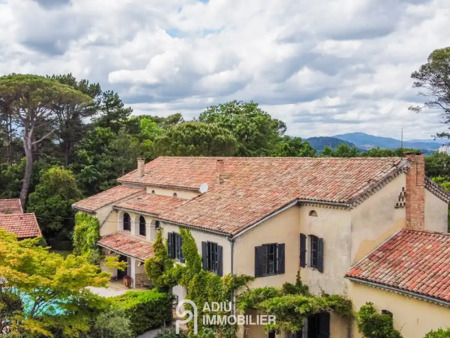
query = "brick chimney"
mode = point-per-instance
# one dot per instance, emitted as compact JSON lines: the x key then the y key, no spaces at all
{"x":140,"y":167}
{"x":415,"y":191}
{"x":220,"y":164}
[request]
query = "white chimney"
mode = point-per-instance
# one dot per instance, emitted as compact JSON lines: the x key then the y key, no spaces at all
{"x":140,"y":167}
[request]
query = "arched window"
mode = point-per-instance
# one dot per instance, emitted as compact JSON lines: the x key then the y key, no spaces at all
{"x":126,"y":222}
{"x":313,"y":213}
{"x":142,"y":230}
{"x":157,"y":225}
{"x":175,"y":194}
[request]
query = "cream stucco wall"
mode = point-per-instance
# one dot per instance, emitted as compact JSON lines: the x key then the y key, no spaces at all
{"x":413,"y":317}
{"x":184,"y":194}
{"x":376,"y":219}
{"x":282,"y":228}
{"x":436,"y":213}
{"x":333,"y":225}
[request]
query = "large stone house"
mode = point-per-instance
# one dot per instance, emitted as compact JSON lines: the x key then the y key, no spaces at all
{"x":271,"y":217}
{"x":13,"y":219}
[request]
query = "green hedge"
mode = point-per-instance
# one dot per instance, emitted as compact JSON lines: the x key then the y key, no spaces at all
{"x":145,"y":309}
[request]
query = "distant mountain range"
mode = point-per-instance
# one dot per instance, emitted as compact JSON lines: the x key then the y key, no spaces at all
{"x":320,"y":142}
{"x":365,"y":141}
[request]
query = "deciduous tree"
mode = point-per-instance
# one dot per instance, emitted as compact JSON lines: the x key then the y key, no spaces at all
{"x":256,"y":131}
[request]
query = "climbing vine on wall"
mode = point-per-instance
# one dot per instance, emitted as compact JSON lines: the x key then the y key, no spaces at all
{"x":85,"y":235}
{"x":201,"y":286}
{"x":292,"y":304}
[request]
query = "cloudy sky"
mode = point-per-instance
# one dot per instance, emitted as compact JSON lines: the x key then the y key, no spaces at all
{"x":324,"y":67}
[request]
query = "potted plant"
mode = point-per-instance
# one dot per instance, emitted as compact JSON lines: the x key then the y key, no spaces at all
{"x":127,"y":280}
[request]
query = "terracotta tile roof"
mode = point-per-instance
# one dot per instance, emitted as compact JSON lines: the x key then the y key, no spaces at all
{"x":181,"y":172}
{"x":23,"y":225}
{"x":256,"y":187}
{"x":411,"y":261}
{"x":106,"y":197}
{"x":150,"y":203}
{"x":11,"y":206}
{"x":127,"y":245}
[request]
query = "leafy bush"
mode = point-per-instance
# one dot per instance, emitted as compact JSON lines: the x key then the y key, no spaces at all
{"x":441,"y":333}
{"x":112,"y":324}
{"x":375,"y":325}
{"x":170,"y":333}
{"x":145,"y":309}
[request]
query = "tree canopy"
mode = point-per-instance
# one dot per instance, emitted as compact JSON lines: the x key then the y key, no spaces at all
{"x":196,"y":139}
{"x":256,"y":131}
{"x":33,"y":101}
{"x":40,"y":286}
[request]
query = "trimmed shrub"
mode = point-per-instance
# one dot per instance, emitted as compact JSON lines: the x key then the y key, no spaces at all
{"x":145,"y":309}
{"x":112,"y":324}
{"x":441,"y":333}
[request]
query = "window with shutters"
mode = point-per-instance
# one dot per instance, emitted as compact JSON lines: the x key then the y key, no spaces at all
{"x":175,"y":243}
{"x":126,"y":222}
{"x":212,"y":257}
{"x":269,"y":260}
{"x":316,"y":252}
{"x":142,"y":226}
{"x":313,"y":241}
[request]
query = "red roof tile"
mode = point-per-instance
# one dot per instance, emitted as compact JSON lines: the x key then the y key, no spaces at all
{"x":412,"y":260}
{"x":127,"y":245}
{"x":150,"y":203}
{"x":23,"y":225}
{"x":106,"y":197}
{"x":10,"y":206}
{"x":256,"y":187}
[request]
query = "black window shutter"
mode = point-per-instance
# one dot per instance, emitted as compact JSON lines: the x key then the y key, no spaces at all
{"x":259,"y":257}
{"x":219,"y":261}
{"x":205,"y":255}
{"x":302,"y":250}
{"x":280,"y":258}
{"x":170,"y":244}
{"x":181,"y":248}
{"x":320,"y":254}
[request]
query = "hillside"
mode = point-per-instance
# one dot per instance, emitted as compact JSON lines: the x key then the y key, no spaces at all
{"x":365,"y":142}
{"x":320,"y":142}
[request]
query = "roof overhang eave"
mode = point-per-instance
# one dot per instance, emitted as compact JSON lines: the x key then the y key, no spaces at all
{"x":401,"y":291}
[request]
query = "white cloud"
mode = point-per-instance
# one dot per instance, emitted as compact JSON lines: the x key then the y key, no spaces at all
{"x":325,"y":67}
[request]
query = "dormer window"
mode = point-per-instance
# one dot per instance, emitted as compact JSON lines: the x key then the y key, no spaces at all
{"x":126,"y":222}
{"x":142,"y":226}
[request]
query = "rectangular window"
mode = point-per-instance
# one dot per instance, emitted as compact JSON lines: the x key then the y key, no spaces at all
{"x":316,"y":252}
{"x":269,"y":260}
{"x":313,"y":242}
{"x":175,"y":242}
{"x":212,"y":257}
